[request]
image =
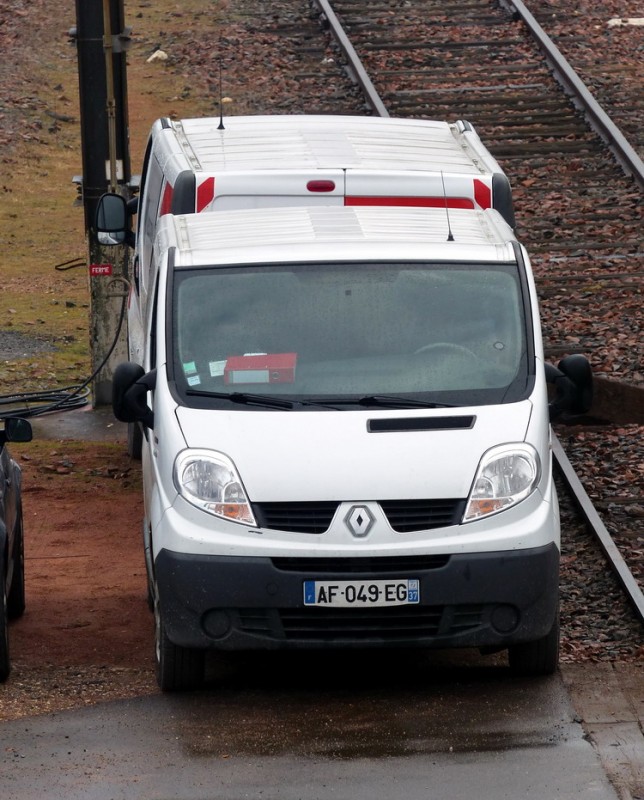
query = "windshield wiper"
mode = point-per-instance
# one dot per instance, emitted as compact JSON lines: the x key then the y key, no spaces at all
{"x":386,"y":401}
{"x":244,"y":398}
{"x":393,"y":401}
{"x":370,"y":401}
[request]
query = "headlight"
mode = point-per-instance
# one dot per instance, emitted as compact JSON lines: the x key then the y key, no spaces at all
{"x":210,"y":481}
{"x":506,"y":475}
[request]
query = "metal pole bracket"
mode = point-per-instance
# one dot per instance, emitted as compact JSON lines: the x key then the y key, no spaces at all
{"x":124,"y":291}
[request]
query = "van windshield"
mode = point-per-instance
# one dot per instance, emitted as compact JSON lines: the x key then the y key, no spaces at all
{"x":451,"y":334}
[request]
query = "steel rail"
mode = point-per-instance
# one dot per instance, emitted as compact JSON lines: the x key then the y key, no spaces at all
{"x":597,"y":118}
{"x":587,"y":509}
{"x":356,"y":66}
{"x":576,"y":489}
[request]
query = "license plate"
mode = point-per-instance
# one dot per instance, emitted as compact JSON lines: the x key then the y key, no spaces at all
{"x":352,"y":594}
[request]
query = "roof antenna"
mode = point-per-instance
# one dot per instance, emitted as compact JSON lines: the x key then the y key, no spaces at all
{"x":221,"y":127}
{"x":450,"y":237}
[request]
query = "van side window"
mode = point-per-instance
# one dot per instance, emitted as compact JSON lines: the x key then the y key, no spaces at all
{"x":149,"y":216}
{"x":151,"y":325}
{"x":143,"y":190}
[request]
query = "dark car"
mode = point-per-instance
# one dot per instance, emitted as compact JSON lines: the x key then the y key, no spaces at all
{"x":12,"y":562}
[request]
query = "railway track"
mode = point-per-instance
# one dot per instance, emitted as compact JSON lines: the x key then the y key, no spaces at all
{"x":615,"y":78}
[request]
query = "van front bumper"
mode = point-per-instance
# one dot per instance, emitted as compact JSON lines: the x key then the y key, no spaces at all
{"x":466,"y":600}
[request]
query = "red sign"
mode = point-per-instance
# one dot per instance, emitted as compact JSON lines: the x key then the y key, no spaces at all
{"x":261,"y":368}
{"x":100,"y":270}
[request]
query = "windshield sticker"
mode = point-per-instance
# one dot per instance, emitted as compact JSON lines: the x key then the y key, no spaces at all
{"x":189,"y":367}
{"x":194,"y":380}
{"x":217,"y":368}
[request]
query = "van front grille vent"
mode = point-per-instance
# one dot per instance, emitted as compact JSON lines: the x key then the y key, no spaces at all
{"x":402,"y":624}
{"x":402,"y":565}
{"x":404,"y":516}
{"x":295,"y":517}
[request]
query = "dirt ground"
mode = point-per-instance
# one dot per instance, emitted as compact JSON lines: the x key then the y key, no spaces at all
{"x":87,"y":633}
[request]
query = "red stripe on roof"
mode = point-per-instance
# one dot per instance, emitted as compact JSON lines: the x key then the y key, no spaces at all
{"x":205,"y":193}
{"x":421,"y":202}
{"x":166,"y":200}
{"x":482,"y":194}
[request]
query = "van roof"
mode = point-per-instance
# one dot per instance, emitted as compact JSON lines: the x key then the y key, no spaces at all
{"x":325,"y":142}
{"x":336,"y":233}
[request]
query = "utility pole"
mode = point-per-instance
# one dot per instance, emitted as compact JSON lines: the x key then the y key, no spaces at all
{"x":101,"y":39}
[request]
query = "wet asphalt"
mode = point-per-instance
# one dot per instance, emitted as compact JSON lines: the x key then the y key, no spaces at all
{"x":292,"y":726}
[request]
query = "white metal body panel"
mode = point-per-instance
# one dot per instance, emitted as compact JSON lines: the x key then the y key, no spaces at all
{"x":322,"y":455}
{"x":328,"y":233}
{"x":326,"y":142}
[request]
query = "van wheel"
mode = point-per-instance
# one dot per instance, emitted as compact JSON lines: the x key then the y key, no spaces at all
{"x":16,"y":596}
{"x":177,"y":668}
{"x":541,"y":657}
{"x":134,"y":440}
{"x":5,"y":663}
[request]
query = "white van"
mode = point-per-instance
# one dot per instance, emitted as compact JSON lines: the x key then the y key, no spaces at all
{"x":202,"y":165}
{"x":347,"y":436}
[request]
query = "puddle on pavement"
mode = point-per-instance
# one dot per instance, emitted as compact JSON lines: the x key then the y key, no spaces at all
{"x":366,"y":706}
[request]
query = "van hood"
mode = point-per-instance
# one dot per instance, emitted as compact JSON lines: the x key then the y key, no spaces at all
{"x":336,"y":455}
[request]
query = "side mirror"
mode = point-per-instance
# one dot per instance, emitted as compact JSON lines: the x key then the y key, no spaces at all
{"x":573,"y":382}
{"x":112,"y":220}
{"x":130,"y":386}
{"x":17,"y":429}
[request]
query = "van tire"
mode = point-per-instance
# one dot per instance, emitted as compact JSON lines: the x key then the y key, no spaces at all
{"x":538,"y":658}
{"x":16,"y":596}
{"x":5,"y":663}
{"x":177,"y":668}
{"x":134,"y":440}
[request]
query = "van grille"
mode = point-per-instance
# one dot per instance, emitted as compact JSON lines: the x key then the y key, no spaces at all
{"x":399,"y":624}
{"x":404,"y":516}
{"x":401,"y":565}
{"x":295,"y":517}
{"x":392,"y":624}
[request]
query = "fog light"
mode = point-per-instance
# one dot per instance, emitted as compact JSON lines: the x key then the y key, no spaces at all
{"x":504,"y":619}
{"x":216,"y":623}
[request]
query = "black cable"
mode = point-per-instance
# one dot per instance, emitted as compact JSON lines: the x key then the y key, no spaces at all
{"x":57,"y":397}
{"x":73,"y":263}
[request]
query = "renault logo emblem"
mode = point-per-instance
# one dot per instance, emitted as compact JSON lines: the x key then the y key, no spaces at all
{"x":359,"y":520}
